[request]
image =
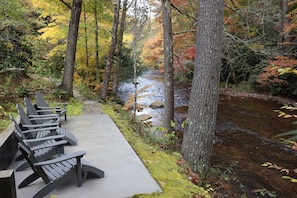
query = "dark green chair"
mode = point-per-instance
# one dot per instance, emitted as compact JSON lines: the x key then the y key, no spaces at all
{"x":57,"y":171}
{"x":45,"y":108}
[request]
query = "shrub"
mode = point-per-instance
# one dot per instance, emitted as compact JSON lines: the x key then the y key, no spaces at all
{"x":23,"y":90}
{"x":275,"y":79}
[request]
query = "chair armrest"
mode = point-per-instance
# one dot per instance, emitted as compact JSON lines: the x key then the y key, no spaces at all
{"x":41,"y":125}
{"x":59,"y":103}
{"x":47,"y":119}
{"x":48,"y":108}
{"x":40,"y":129}
{"x":44,"y":116}
{"x":77,"y":155}
{"x":44,"y":111}
{"x":54,"y":144}
{"x":52,"y":137}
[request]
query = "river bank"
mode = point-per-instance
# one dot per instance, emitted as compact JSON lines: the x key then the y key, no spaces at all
{"x":260,"y":96}
{"x":245,"y":136}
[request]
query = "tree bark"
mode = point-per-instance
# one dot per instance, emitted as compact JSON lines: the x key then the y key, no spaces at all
{"x":168,"y":66}
{"x":67,"y":81}
{"x":198,"y":137}
{"x":284,"y":33}
{"x":86,"y":37}
{"x":111,"y":53}
{"x":96,"y":40}
{"x":120,"y":47}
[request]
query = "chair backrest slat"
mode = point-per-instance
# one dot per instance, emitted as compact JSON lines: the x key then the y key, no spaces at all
{"x":40,"y":101}
{"x":25,"y":120}
{"x":31,"y":159}
{"x":18,"y":131}
{"x":31,"y":109}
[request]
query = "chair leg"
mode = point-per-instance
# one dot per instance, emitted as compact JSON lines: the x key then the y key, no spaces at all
{"x":20,"y":157}
{"x":52,"y":185}
{"x":91,"y":171}
{"x":31,"y":178}
{"x":79,"y":173}
{"x":45,"y":190}
{"x":23,"y":166}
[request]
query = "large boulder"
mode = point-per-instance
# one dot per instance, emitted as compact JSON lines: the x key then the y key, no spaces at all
{"x":156,"y":104}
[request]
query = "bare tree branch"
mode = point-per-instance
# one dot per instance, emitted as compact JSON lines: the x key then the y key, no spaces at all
{"x":183,"y":32}
{"x":65,"y":3}
{"x":179,"y":11}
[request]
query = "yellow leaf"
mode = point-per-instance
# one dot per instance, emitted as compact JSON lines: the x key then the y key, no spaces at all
{"x":290,"y":178}
{"x":287,"y":116}
{"x":284,"y":70}
{"x":267,"y":164}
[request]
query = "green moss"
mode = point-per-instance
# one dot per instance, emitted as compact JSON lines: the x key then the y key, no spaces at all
{"x":74,"y":107}
{"x":162,"y":165}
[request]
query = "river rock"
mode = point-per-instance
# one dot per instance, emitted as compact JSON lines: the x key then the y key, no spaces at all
{"x":144,"y":117}
{"x":156,"y":104}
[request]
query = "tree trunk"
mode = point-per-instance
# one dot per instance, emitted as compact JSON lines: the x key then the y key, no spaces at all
{"x":67,"y":81}
{"x":86,"y":37}
{"x":120,"y":46}
{"x":233,"y":73}
{"x":96,"y":40}
{"x":139,"y":22}
{"x":284,"y":33}
{"x":232,"y":70}
{"x":136,"y":33}
{"x":198,"y":137}
{"x":168,"y":65}
{"x":111,"y":51}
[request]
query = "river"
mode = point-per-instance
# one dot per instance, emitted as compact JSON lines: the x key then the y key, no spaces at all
{"x":244,"y":140}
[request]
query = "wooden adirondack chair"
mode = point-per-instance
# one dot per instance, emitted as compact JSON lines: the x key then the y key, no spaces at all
{"x":43,"y":148}
{"x":41,"y":104}
{"x":57,"y":171}
{"x":42,"y":118}
{"x":54,"y":127}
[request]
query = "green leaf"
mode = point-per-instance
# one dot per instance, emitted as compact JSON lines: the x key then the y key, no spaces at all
{"x":294,"y":132}
{"x":292,"y":138}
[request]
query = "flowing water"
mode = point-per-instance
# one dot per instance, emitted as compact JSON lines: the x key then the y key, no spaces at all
{"x":244,"y":140}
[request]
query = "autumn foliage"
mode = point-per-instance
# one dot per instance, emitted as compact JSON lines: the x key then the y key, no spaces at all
{"x":184,"y":27}
{"x":277,"y":76}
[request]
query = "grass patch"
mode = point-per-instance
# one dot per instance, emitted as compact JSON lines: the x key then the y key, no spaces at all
{"x":162,"y":164}
{"x":5,"y":122}
{"x":243,"y":86}
{"x":74,"y":107}
{"x":87,"y":92}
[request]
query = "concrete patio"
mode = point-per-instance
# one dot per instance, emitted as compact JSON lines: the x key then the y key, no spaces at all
{"x":106,"y":149}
